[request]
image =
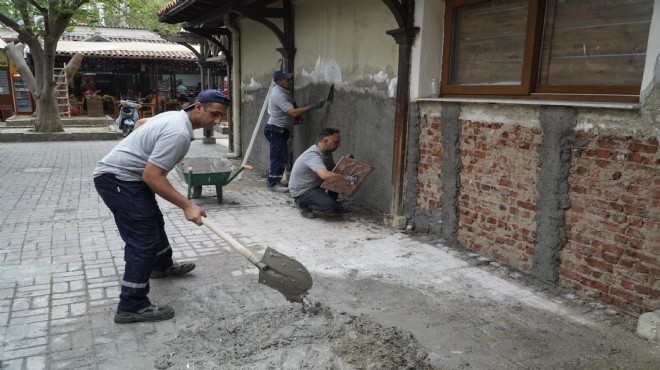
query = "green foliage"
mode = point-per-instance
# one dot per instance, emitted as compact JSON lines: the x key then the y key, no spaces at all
{"x":137,"y":14}
{"x":20,"y":15}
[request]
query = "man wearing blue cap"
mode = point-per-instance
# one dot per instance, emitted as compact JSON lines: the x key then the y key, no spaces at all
{"x":128,"y":179}
{"x":283,"y":113}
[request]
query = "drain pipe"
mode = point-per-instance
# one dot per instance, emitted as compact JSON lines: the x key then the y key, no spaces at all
{"x":235,"y":88}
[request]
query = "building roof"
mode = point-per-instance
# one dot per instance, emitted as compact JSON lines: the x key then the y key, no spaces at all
{"x":109,"y":42}
{"x":135,"y":50}
{"x":197,"y":12}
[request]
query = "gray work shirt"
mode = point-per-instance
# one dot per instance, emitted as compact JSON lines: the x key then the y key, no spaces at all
{"x":280,"y":101}
{"x":163,"y":141}
{"x":303,"y":174}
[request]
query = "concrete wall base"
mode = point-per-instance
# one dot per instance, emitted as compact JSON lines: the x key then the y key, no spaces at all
{"x":209,"y":140}
{"x":648,"y":326}
{"x":396,"y":222}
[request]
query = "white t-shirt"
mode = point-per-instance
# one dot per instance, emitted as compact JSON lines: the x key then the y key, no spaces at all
{"x":163,"y":141}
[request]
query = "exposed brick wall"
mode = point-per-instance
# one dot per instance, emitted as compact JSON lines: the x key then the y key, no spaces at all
{"x":430,"y":159}
{"x":613,"y":225}
{"x":497,"y":203}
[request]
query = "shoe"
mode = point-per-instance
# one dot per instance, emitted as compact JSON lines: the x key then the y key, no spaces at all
{"x":177,"y":269}
{"x":151,"y":313}
{"x":307,"y":214}
{"x":284,"y":183}
{"x":278,"y":188}
{"x":342,"y":209}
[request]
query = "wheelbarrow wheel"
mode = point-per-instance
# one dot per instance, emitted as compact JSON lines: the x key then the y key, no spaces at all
{"x":197,"y":192}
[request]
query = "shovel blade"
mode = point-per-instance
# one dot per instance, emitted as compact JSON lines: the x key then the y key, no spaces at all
{"x":285,"y":275}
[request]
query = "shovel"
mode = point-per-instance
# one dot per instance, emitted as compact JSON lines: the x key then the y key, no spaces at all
{"x":276,"y":270}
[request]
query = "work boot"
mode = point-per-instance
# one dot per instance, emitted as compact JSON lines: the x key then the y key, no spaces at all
{"x":342,"y":209}
{"x":151,"y":313}
{"x":307,"y":213}
{"x":278,"y":188}
{"x":177,"y":269}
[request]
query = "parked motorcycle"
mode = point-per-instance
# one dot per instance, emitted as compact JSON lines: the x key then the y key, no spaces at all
{"x":128,"y":115}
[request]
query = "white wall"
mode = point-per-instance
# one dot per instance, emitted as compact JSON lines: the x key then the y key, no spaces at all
{"x":340,"y":42}
{"x":652,"y":52}
{"x":427,"y":51}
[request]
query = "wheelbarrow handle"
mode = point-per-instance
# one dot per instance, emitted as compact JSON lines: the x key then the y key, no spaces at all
{"x":238,"y":172}
{"x":235,"y":244}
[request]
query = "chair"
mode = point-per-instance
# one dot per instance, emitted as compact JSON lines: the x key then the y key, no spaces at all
{"x":173,"y":104}
{"x":147,"y":110}
{"x":113,"y":103}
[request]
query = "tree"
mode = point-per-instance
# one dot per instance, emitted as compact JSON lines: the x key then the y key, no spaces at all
{"x":40,"y":24}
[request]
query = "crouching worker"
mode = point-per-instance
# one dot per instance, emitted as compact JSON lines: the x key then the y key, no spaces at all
{"x":311,"y":169}
{"x":128,"y":179}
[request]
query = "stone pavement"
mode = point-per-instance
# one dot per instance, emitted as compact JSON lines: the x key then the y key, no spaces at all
{"x":61,"y":260}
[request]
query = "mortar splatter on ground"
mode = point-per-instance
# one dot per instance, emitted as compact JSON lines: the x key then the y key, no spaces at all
{"x":288,"y":338}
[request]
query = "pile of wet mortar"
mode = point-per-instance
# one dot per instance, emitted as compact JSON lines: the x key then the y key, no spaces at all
{"x":289,"y":338}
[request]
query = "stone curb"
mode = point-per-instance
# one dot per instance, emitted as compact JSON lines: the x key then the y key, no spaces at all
{"x":24,"y":137}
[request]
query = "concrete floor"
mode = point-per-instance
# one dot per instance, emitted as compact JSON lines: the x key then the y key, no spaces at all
{"x":61,"y":261}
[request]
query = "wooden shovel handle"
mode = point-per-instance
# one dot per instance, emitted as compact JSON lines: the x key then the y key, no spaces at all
{"x":234,"y":243}
{"x":226,"y":237}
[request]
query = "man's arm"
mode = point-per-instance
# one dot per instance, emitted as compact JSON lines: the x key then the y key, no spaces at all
{"x":295,"y":112}
{"x":156,"y":178}
{"x":330,"y":176}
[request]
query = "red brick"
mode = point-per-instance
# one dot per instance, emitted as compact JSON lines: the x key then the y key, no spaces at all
{"x":604,"y":153}
{"x":629,"y":297}
{"x":602,"y":163}
{"x":526,"y":205}
{"x":638,"y":147}
{"x":610,"y":258}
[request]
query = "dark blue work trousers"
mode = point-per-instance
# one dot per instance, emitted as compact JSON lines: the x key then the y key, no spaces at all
{"x":142,"y":228}
{"x":319,"y":200}
{"x":278,"y":138}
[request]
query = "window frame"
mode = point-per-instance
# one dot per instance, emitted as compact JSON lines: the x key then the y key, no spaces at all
{"x":528,"y":87}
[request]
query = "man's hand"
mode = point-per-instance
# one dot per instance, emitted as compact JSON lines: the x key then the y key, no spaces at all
{"x":194,"y":213}
{"x":317,"y":104}
{"x":352,"y":180}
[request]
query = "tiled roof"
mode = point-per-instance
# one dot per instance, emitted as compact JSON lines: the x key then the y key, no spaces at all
{"x":121,"y":43}
{"x":134,"y":50}
{"x":169,"y":6}
{"x":113,"y":39}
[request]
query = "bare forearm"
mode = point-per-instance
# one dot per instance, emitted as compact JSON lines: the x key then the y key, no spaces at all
{"x":296,"y":112}
{"x":330,"y":176}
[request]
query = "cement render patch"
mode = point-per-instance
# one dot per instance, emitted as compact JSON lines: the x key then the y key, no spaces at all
{"x":465,"y":312}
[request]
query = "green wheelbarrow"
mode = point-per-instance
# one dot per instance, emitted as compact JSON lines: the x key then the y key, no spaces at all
{"x":200,"y":171}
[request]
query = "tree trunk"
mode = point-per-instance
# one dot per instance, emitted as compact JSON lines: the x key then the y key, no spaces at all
{"x":15,"y":54}
{"x":48,"y":119}
{"x":56,"y":16}
{"x":73,"y":65}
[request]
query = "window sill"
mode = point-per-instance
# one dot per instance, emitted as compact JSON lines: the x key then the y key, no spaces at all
{"x":565,"y":103}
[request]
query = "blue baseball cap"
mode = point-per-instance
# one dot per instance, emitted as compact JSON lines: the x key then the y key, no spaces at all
{"x":212,"y":96}
{"x":278,"y":75}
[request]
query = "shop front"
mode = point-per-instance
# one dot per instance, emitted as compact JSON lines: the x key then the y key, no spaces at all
{"x":135,"y":79}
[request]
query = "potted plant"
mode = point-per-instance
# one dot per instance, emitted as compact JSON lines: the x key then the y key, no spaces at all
{"x":73,"y":100}
{"x":94,"y":103}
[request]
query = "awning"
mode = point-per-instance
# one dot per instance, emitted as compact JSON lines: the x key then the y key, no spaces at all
{"x":135,"y":50}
